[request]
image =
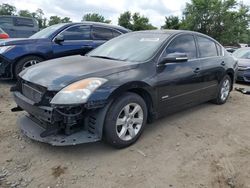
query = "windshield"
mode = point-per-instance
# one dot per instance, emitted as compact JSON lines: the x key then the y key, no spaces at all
{"x":45,"y":33}
{"x":243,"y":53}
{"x":131,"y":47}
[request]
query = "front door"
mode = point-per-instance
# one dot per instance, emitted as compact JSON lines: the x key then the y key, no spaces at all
{"x":179,"y":84}
{"x":77,"y":40}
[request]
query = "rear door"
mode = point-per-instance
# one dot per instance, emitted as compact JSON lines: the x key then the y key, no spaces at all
{"x":213,"y":65}
{"x":102,"y":34}
{"x":77,"y":40}
{"x":179,"y":84}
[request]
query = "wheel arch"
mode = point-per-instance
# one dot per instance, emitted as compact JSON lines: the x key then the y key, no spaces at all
{"x":142,"y":89}
{"x":24,"y":56}
{"x":230,"y":73}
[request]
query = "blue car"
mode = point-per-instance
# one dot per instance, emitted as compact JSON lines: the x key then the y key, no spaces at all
{"x":53,"y":42}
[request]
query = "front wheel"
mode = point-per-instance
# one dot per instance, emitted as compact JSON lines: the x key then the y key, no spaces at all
{"x":125,"y":120}
{"x":223,"y":90}
{"x":25,"y":63}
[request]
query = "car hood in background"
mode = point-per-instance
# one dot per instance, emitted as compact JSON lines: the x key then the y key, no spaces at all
{"x":244,"y":62}
{"x":17,"y":41}
{"x":58,"y":73}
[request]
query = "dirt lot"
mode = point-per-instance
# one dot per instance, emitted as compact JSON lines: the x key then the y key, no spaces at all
{"x":206,"y":146}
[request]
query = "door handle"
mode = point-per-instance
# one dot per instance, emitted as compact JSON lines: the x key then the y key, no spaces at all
{"x":223,"y":63}
{"x":197,"y":70}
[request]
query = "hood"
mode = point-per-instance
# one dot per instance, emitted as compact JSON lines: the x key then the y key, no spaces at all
{"x":17,"y":41}
{"x":58,"y":73}
{"x":244,"y":62}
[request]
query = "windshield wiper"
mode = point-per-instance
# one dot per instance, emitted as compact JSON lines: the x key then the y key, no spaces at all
{"x":106,"y":57}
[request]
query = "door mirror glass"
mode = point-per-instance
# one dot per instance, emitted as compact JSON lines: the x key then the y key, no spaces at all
{"x":59,"y":38}
{"x":174,"y":58}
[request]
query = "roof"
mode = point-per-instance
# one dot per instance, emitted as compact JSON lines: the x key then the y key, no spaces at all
{"x":99,"y":24}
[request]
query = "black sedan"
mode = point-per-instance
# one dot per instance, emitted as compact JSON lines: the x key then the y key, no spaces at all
{"x":58,"y":40}
{"x":243,"y":56}
{"x":115,"y":89}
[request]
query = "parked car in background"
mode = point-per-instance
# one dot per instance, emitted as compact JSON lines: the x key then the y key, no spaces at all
{"x":53,"y":42}
{"x":115,"y":89}
{"x":19,"y":27}
{"x":3,"y":34}
{"x":243,"y":56}
{"x":231,"y":49}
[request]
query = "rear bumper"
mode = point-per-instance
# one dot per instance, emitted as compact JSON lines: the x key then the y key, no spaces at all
{"x":45,"y":124}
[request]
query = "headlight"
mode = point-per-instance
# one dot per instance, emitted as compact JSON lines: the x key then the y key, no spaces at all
{"x":5,"y":48}
{"x":78,"y":92}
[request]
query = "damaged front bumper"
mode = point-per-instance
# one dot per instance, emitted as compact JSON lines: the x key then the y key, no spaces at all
{"x":243,"y":74}
{"x":5,"y":69}
{"x":49,"y":125}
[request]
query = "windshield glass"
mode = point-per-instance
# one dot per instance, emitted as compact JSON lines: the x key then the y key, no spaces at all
{"x":131,"y":47}
{"x":243,"y":53}
{"x":45,"y":33}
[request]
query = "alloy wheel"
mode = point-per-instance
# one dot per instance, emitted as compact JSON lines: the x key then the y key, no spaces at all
{"x":129,"y":121}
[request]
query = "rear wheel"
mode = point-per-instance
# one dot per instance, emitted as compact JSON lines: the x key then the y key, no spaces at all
{"x":125,"y":120}
{"x":223,"y":91}
{"x":25,"y":63}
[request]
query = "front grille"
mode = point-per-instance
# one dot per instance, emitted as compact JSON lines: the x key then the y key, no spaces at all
{"x":31,"y":93}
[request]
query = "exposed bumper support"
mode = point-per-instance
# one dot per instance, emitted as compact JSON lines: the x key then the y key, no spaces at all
{"x":45,"y":125}
{"x":34,"y":131}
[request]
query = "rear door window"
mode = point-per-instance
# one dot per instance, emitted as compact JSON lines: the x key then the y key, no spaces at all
{"x":5,"y":21}
{"x":23,"y":22}
{"x":101,"y":33}
{"x":183,"y":44}
{"x":80,"y":32}
{"x":207,"y":47}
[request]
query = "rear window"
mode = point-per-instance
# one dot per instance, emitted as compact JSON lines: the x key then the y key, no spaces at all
{"x":24,"y":22}
{"x":207,"y":47}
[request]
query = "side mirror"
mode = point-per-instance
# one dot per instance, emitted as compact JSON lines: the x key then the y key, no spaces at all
{"x":59,"y":38}
{"x":174,"y":58}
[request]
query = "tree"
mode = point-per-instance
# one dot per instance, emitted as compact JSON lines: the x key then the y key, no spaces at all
{"x":25,"y":13}
{"x":171,"y":22}
{"x":54,"y":20}
{"x":135,"y":22}
{"x":225,"y":20}
{"x":66,"y":20}
{"x":94,"y":17}
{"x":6,"y":9}
{"x":125,"y":20}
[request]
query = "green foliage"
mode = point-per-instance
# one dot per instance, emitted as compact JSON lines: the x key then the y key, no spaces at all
{"x":6,"y":9}
{"x":125,"y":20}
{"x":171,"y":22}
{"x":225,"y":20}
{"x":25,"y":13}
{"x":94,"y":17}
{"x":135,"y":22}
{"x":56,"y":19}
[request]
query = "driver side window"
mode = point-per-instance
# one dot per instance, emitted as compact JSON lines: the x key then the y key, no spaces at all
{"x":80,"y":32}
{"x":183,"y":44}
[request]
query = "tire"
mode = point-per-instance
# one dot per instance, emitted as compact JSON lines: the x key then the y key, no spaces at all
{"x":121,"y":127}
{"x":223,"y":90}
{"x":20,"y":65}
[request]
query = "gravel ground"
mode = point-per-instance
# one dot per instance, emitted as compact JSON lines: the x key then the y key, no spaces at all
{"x":205,"y":146}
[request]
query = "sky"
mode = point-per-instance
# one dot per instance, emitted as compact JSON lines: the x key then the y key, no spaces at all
{"x":155,"y":10}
